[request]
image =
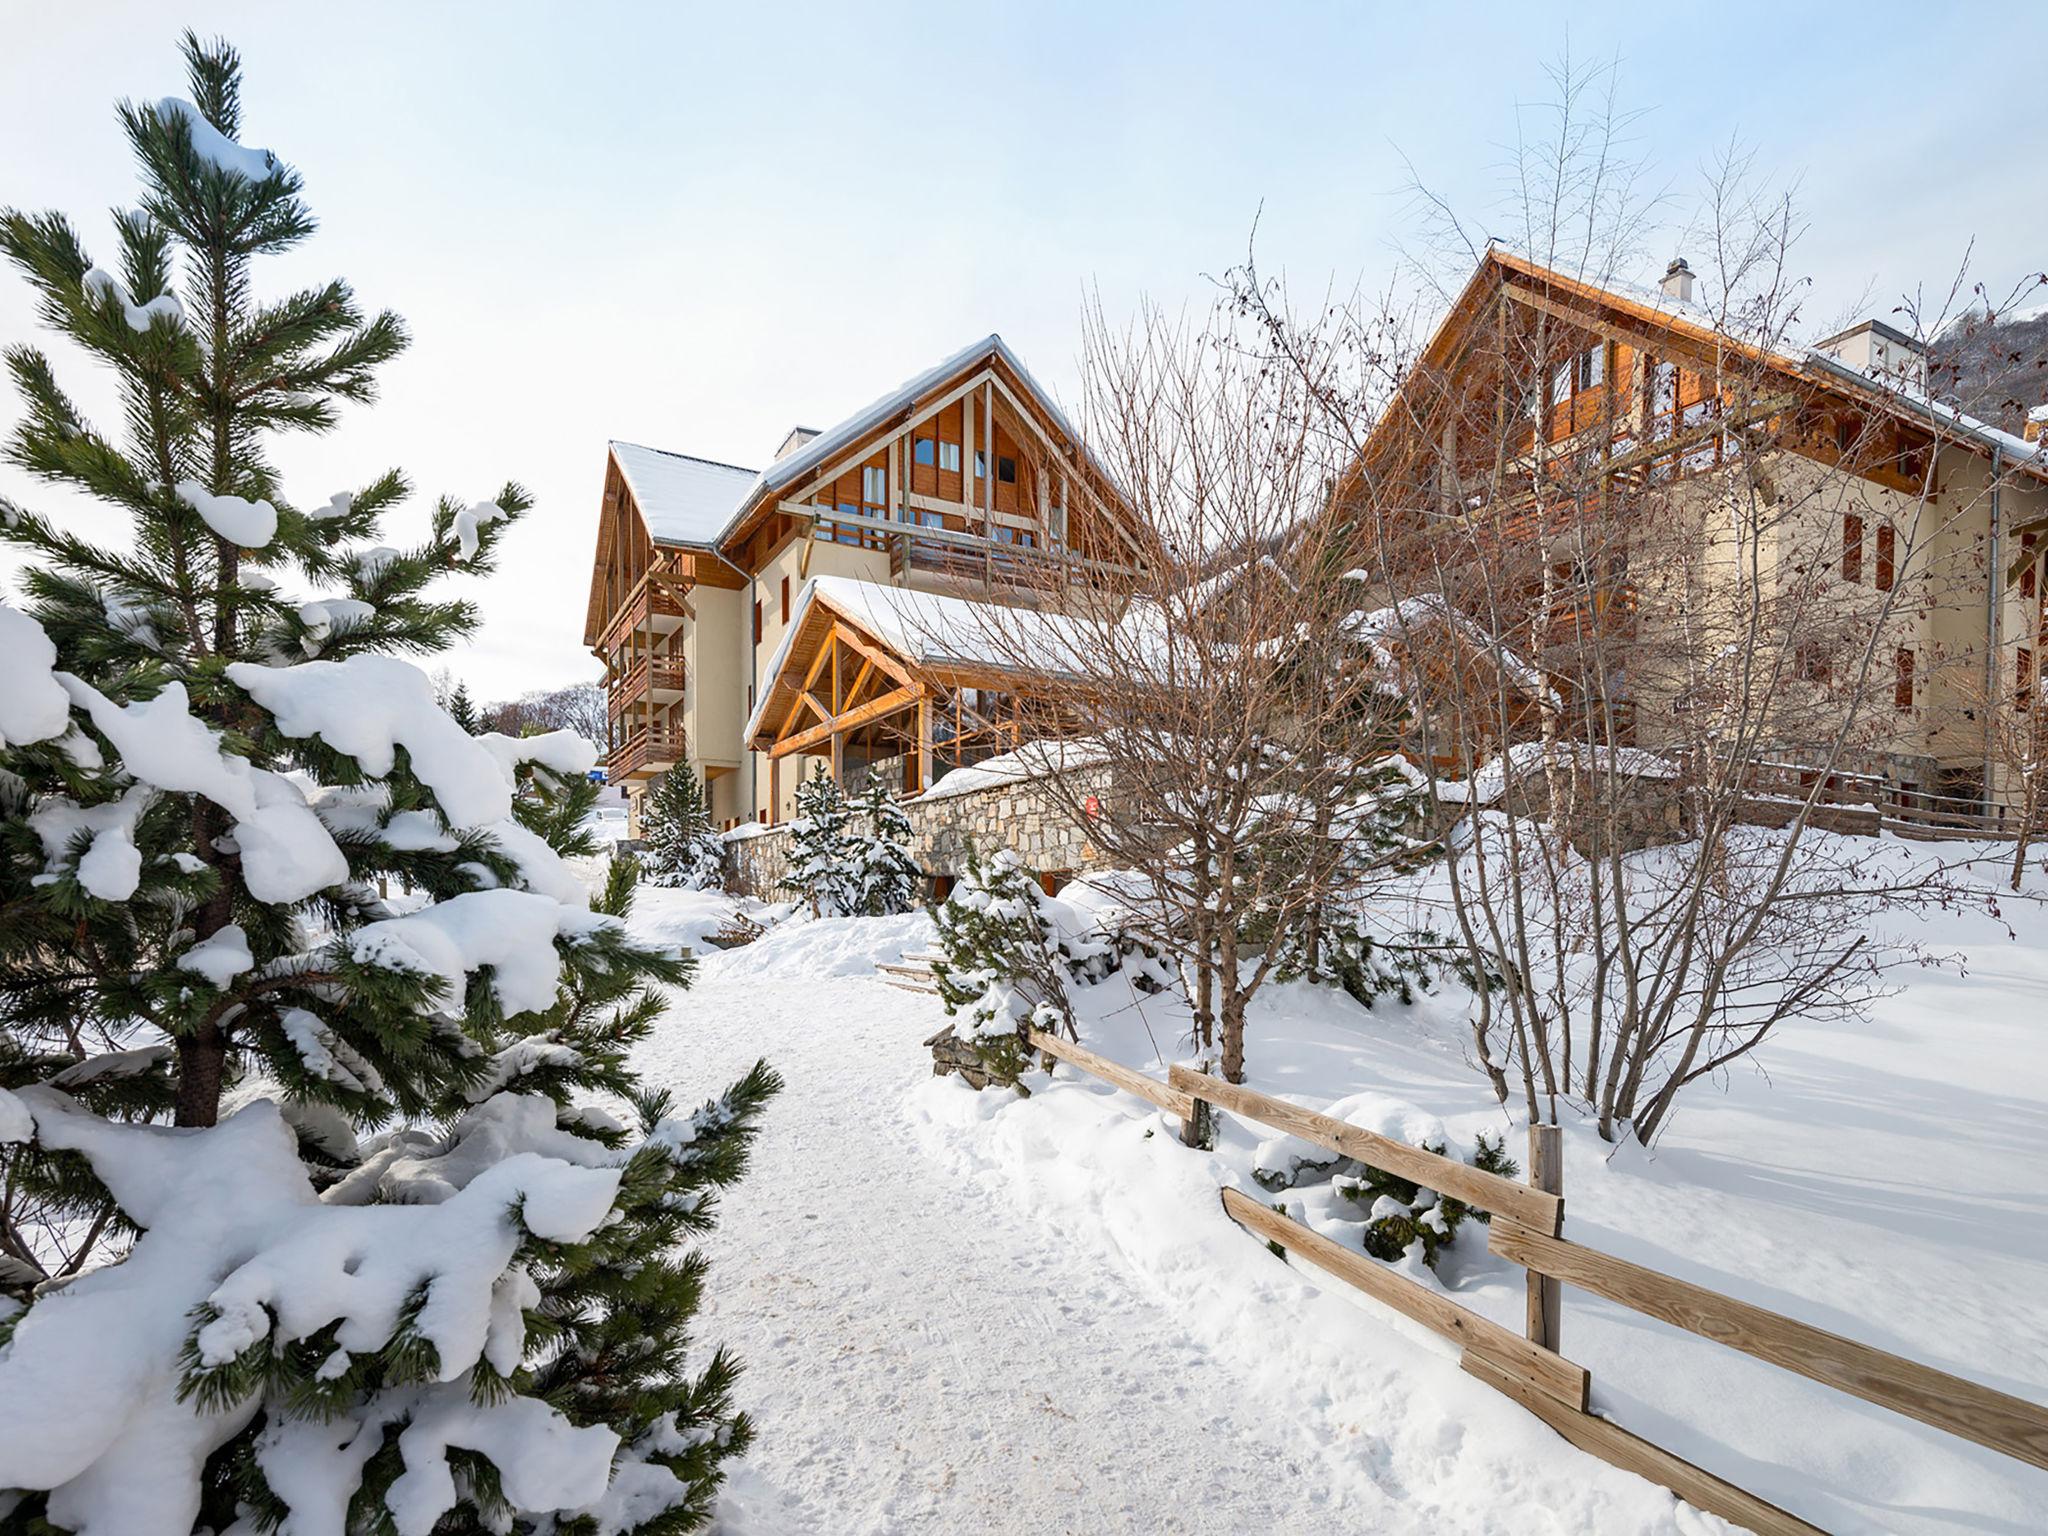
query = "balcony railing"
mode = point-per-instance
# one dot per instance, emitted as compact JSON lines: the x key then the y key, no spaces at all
{"x":647,"y":750}
{"x":654,"y":596}
{"x":644,"y":675}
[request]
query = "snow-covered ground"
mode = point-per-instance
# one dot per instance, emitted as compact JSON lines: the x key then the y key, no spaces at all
{"x":969,"y":1312}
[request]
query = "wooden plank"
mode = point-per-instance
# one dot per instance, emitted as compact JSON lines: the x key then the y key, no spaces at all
{"x":1547,"y":1374}
{"x":1989,"y":1417}
{"x":874,"y":709}
{"x":1116,"y":1073}
{"x":1546,"y":1296}
{"x":1447,"y":1176}
{"x":1617,"y":1447}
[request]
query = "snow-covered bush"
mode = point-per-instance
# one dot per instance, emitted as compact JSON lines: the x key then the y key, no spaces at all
{"x":879,"y":851}
{"x":1340,"y":951}
{"x":682,"y":850}
{"x":998,"y":967}
{"x":383,"y":1265}
{"x":1399,"y":1214}
{"x":823,"y":867}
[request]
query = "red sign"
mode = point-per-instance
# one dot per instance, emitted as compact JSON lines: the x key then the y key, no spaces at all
{"x":1093,"y":807}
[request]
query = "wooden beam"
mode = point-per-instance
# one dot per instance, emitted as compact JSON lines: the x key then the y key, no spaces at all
{"x":2004,"y":1423}
{"x":908,"y":420}
{"x":880,"y":658}
{"x":1132,"y":1081}
{"x":874,"y":709}
{"x":1617,"y":1447}
{"x":1448,"y":1176}
{"x":1547,"y":1375}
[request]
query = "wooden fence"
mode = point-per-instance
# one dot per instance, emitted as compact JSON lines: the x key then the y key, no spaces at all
{"x":1527,"y":1228}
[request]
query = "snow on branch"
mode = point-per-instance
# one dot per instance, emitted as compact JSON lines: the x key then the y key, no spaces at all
{"x":239,"y":1261}
{"x":287,"y":854}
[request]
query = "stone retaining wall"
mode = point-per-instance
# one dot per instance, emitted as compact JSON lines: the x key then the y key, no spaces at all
{"x":1019,"y":816}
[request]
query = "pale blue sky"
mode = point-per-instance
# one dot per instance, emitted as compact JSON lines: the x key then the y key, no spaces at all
{"x":695,"y":226}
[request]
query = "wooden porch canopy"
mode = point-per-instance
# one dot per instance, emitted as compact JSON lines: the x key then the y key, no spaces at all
{"x":838,"y":679}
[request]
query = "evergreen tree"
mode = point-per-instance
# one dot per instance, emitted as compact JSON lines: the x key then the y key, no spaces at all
{"x":189,"y":937}
{"x":823,"y":866}
{"x":683,"y":850}
{"x":999,"y":966}
{"x":884,"y":871}
{"x":463,"y":710}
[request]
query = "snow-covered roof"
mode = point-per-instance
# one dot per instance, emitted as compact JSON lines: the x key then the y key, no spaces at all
{"x":930,"y":629}
{"x":2016,"y":451}
{"x":822,"y":449}
{"x":683,"y":500}
{"x":688,"y":500}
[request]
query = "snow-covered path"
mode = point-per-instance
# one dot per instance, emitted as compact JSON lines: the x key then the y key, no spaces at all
{"x":923,"y":1354}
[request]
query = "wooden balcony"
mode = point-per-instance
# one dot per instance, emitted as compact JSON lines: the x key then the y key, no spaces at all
{"x":656,"y":602}
{"x":647,"y":751}
{"x":657,"y":677}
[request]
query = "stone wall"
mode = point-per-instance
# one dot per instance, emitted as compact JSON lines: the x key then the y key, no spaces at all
{"x":1019,"y":816}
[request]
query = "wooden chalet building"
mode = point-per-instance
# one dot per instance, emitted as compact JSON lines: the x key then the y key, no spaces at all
{"x":1636,"y":391}
{"x":744,"y":617}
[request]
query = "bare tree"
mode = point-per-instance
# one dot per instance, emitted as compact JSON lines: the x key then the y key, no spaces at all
{"x":1228,"y":740}
{"x":579,"y":707}
{"x":1716,"y":563}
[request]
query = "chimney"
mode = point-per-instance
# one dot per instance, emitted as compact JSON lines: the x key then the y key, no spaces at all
{"x":2037,"y":423}
{"x":1677,"y":282}
{"x":797,"y":437}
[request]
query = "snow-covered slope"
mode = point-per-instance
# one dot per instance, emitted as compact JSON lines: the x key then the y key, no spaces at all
{"x":971,"y":1312}
{"x":938,"y":1342}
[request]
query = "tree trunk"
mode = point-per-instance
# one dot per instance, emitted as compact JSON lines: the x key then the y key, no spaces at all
{"x":202,"y":1070}
{"x":1233,"y":1007}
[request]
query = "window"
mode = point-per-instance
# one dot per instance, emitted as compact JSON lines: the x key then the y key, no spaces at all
{"x":1810,"y":662}
{"x":980,"y":464}
{"x":1591,"y":366}
{"x":1902,"y":678}
{"x":757,"y":621}
{"x":949,"y":457}
{"x":924,"y":450}
{"x":1006,"y":470}
{"x":785,"y":599}
{"x":874,"y":485}
{"x":1852,"y":547}
{"x":1887,"y":557}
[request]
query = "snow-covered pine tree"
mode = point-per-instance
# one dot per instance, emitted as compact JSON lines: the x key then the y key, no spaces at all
{"x":998,"y":966}
{"x":886,"y":874}
{"x":683,"y":850}
{"x":822,"y":856}
{"x":473,"y":1319}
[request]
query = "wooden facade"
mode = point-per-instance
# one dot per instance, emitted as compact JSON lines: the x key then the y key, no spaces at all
{"x":970,"y":484}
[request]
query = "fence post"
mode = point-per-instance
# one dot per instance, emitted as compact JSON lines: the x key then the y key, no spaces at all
{"x":1199,"y":1128}
{"x":1546,"y":1296}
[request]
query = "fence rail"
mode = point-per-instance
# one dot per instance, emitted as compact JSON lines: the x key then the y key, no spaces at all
{"x":1526,"y":1228}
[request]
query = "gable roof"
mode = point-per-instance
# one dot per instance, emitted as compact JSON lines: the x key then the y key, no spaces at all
{"x":702,"y":503}
{"x":931,"y":631}
{"x":683,"y":500}
{"x":1655,"y":312}
{"x":820,"y":450}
